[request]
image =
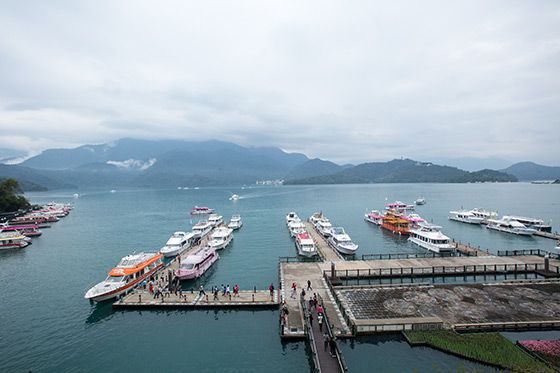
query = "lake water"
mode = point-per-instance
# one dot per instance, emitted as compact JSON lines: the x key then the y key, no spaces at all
{"x":47,"y":325}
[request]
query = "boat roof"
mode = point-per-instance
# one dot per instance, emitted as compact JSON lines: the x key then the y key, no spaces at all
{"x":304,"y":238}
{"x":199,"y":255}
{"x":433,"y":234}
{"x":134,"y":263}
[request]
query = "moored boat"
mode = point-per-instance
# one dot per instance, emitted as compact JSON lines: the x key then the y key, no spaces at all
{"x":395,"y":223}
{"x":324,"y":227}
{"x":464,"y":216}
{"x":26,"y":230}
{"x":399,"y":206}
{"x":420,"y":201}
{"x":305,"y":245}
{"x":341,"y":241}
{"x":131,"y":270}
{"x":292,"y":216}
{"x":215,"y":220}
{"x":235,"y":222}
{"x":430,"y":237}
{"x":296,"y":227}
{"x":13,"y":240}
{"x":201,"y":210}
{"x":201,"y":229}
{"x":374,"y":217}
{"x":178,"y":242}
{"x":220,"y":238}
{"x":537,"y":224}
{"x":194,"y":265}
{"x":510,"y":226}
{"x":485,"y":215}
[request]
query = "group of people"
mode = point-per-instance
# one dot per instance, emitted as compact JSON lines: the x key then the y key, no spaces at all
{"x":224,"y":289}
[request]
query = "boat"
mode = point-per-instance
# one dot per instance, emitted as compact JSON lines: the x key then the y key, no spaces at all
{"x":13,"y":240}
{"x":464,"y":216}
{"x":131,"y":270}
{"x":292,"y":216}
{"x":201,"y":210}
{"x":178,"y":242}
{"x":537,"y":224}
{"x":296,"y":227}
{"x":305,"y":245}
{"x":201,"y":229}
{"x":430,"y":237}
{"x":314,"y":219}
{"x":341,"y":241}
{"x":215,"y":220}
{"x":235,"y":222}
{"x":399,"y":206}
{"x":221,"y":237}
{"x":26,"y":230}
{"x":414,"y":219}
{"x":485,"y":215}
{"x":510,"y":226}
{"x":395,"y":223}
{"x":194,"y":265}
{"x":374,"y":217}
{"x":420,"y":201}
{"x":234,"y":197}
{"x":324,"y":227}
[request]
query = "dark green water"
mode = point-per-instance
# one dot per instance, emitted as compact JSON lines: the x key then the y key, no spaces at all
{"x":46,"y":325}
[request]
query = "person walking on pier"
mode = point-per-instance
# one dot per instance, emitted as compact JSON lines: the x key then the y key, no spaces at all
{"x":310,"y":316}
{"x":216,"y":293}
{"x":326,"y":340}
{"x":332,"y":343}
{"x":309,"y":285}
{"x":271,"y":289}
{"x":201,"y":290}
{"x":320,"y":322}
{"x":236,"y":291}
{"x":294,"y":290}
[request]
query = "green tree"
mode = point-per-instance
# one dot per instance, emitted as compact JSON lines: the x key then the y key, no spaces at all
{"x":11,"y":199}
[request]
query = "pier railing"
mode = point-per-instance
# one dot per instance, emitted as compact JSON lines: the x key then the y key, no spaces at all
{"x":298,"y":259}
{"x":340,"y":358}
{"x":390,"y":256}
{"x":524,"y":252}
{"x":340,"y":306}
{"x":309,"y":334}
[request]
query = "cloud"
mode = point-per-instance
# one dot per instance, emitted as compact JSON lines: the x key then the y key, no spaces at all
{"x":133,"y":164}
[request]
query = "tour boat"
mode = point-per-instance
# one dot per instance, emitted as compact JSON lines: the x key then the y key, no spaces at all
{"x":510,"y":226}
{"x":26,"y":230}
{"x":420,"y":201}
{"x":396,"y":223}
{"x":292,"y":216}
{"x":13,"y":240}
{"x":430,"y":237}
{"x":201,"y":210}
{"x":131,"y":271}
{"x":220,"y":238}
{"x":201,"y":229}
{"x":324,"y":227}
{"x":305,"y":245}
{"x":234,"y":197}
{"x":215,"y":220}
{"x":485,"y":215}
{"x":414,"y":219}
{"x":314,"y":219}
{"x":374,"y":217}
{"x":342,"y":242}
{"x":465,"y":217}
{"x":399,"y":206}
{"x":194,"y":265}
{"x":296,"y":227}
{"x":178,"y":242}
{"x":537,"y":224}
{"x":235,"y":222}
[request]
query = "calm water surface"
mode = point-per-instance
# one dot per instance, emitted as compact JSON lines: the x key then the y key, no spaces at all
{"x":46,"y":325}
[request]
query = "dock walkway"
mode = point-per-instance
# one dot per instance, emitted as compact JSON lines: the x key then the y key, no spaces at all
{"x":327,"y":253}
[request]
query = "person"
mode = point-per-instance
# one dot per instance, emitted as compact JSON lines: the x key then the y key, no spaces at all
{"x":303,"y":293}
{"x":181,"y":292}
{"x":320,"y":310}
{"x":310,"y":303}
{"x":223,"y":290}
{"x":320,"y":322}
{"x":332,"y":343}
{"x":310,"y":316}
{"x":216,"y":293}
{"x":236,"y":291}
{"x":326,"y":340}
{"x":227,"y":290}
{"x":294,"y":290}
{"x":315,"y":300}
{"x":201,"y":290}
{"x":271,"y":289}
{"x":309,"y":285}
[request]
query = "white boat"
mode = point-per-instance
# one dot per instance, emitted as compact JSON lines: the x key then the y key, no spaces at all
{"x":342,"y":242}
{"x":178,"y":242}
{"x":201,"y":229}
{"x":234,"y":197}
{"x":374,"y":217}
{"x":292,"y":216}
{"x":220,"y":238}
{"x":296,"y":227}
{"x":485,"y":215}
{"x":215,"y":220}
{"x":537,"y":224}
{"x":13,"y":240}
{"x":420,"y":201}
{"x":314,"y":219}
{"x":305,"y":245}
{"x":399,"y":206}
{"x":430,"y":237}
{"x":235,"y":222}
{"x":464,"y":216}
{"x":324,"y":227}
{"x":510,"y":226}
{"x":131,"y":270}
{"x":194,"y":265}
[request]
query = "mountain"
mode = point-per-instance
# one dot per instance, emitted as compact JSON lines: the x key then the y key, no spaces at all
{"x":314,"y":167}
{"x":27,"y":176}
{"x":403,"y":171}
{"x":473,"y":164}
{"x":528,"y":171}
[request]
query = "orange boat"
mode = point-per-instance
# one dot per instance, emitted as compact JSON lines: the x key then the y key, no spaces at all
{"x":396,"y":223}
{"x":131,"y":270}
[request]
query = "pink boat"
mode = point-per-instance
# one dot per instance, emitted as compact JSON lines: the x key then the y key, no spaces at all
{"x":201,"y":210}
{"x":27,"y":230}
{"x":197,"y":263}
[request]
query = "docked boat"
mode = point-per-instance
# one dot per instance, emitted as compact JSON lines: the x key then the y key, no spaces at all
{"x":374,"y":217}
{"x":215,"y":220}
{"x":485,"y":215}
{"x":395,"y":223}
{"x":464,"y":217}
{"x":13,"y":240}
{"x":341,"y":241}
{"x":178,"y":242}
{"x":305,"y":245}
{"x":537,"y":224}
{"x":296,"y":227}
{"x":324,"y":227}
{"x":201,"y":210}
{"x":314,"y":219}
{"x":201,"y":229}
{"x":235,"y":197}
{"x":131,"y":270}
{"x":430,"y":237}
{"x":194,"y":265}
{"x":235,"y":222}
{"x":26,"y":230}
{"x":220,"y":238}
{"x":292,"y":216}
{"x":399,"y":206}
{"x":420,"y":201}
{"x":510,"y":226}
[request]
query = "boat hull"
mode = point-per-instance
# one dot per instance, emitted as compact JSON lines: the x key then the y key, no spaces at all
{"x":190,"y":275}
{"x":444,"y":248}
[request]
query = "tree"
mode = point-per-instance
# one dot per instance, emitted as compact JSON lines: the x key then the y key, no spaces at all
{"x":11,"y":199}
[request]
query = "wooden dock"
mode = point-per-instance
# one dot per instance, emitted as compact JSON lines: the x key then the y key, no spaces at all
{"x":554,"y":236}
{"x":326,"y":251}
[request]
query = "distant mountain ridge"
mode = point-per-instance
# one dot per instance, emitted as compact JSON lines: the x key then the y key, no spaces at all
{"x":530,"y":171}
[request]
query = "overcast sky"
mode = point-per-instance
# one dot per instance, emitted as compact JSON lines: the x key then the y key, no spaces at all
{"x":347,"y":81}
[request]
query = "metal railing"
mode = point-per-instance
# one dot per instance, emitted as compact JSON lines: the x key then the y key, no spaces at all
{"x":391,"y":256}
{"x":309,"y":333}
{"x":340,"y":358}
{"x":298,"y":259}
{"x":537,"y":252}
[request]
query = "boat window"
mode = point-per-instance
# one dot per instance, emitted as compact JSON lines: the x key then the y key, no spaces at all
{"x":188,"y":266}
{"x":114,"y":278}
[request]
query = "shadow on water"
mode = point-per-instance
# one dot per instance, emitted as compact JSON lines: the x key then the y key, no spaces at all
{"x":100,"y":311}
